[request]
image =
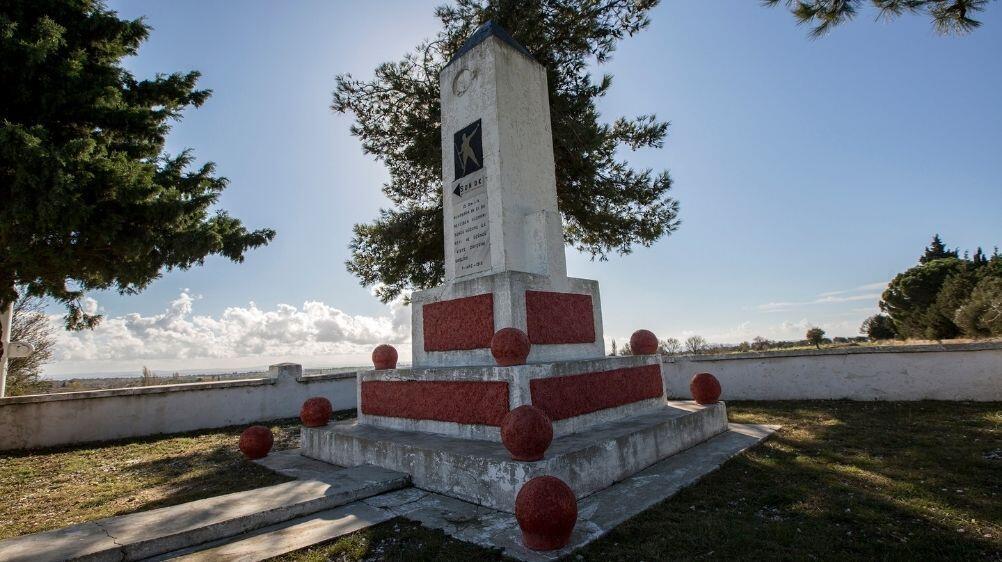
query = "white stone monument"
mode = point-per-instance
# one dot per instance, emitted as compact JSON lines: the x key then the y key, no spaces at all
{"x":504,"y":246}
{"x":440,"y":421}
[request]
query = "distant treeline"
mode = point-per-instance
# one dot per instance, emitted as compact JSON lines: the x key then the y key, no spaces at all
{"x":947,"y":295}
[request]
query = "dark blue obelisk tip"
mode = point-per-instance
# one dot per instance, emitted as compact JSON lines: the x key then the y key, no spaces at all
{"x":486,"y":30}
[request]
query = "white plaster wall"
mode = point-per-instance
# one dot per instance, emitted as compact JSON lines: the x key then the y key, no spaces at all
{"x":958,"y":372}
{"x":81,"y":417}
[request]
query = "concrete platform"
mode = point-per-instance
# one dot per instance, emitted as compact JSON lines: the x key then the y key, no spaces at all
{"x":150,"y":533}
{"x":482,"y":472}
{"x":599,"y":513}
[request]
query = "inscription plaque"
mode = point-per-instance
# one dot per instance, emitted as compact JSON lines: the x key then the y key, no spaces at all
{"x":471,"y":230}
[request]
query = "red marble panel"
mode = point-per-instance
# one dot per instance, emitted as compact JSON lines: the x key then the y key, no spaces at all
{"x":575,"y":395}
{"x":559,"y":318}
{"x":472,"y":402}
{"x":465,"y":323}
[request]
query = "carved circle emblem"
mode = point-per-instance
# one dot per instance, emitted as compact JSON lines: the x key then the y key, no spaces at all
{"x":463,"y":80}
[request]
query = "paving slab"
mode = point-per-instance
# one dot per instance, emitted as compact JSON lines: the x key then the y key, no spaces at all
{"x":151,"y":533}
{"x":277,"y":540}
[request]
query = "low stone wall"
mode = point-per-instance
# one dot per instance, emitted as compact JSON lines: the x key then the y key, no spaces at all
{"x":28,"y":422}
{"x":927,"y":372}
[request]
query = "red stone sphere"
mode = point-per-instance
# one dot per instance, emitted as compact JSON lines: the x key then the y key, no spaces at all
{"x":510,"y":346}
{"x":256,"y":442}
{"x":705,"y":388}
{"x":384,"y":357}
{"x":546,"y":510}
{"x":526,"y":432}
{"x":316,"y":411}
{"x":643,"y":342}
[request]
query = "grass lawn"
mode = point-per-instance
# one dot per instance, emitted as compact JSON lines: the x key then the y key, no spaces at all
{"x":841,"y":480}
{"x":52,"y":488}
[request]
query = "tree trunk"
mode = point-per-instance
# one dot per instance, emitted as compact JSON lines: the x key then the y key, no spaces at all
{"x":6,"y":319}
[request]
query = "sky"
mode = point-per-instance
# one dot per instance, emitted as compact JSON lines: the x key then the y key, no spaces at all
{"x":809,"y":173}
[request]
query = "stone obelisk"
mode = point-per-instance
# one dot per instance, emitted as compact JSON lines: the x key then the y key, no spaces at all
{"x":504,"y":248}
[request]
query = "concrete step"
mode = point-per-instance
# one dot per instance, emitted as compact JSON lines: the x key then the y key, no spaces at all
{"x":150,"y":533}
{"x":277,"y":540}
{"x":483,"y":473}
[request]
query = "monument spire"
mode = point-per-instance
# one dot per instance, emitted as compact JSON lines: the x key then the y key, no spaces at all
{"x":503,"y":235}
{"x":500,"y":195}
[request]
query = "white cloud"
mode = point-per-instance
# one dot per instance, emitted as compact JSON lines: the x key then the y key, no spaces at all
{"x":856,"y":294}
{"x":769,"y":306}
{"x":868,"y":287}
{"x":179,"y":336}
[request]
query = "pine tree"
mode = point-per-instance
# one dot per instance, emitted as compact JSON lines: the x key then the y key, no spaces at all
{"x":607,"y":207}
{"x":90,"y":200}
{"x":936,"y":250}
{"x":980,"y":258}
{"x":948,"y":16}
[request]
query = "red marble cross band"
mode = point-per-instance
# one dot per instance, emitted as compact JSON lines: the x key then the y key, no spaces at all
{"x":486,"y":402}
{"x":468,"y":322}
{"x":576,"y":395}
{"x":472,"y":402}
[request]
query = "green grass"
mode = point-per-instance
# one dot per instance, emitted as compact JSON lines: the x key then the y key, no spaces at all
{"x":841,"y":480}
{"x":52,"y":488}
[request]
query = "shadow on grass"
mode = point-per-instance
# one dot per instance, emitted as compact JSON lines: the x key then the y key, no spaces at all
{"x":841,"y":480}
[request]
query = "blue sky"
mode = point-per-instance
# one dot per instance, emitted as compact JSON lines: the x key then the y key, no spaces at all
{"x":809,"y":173}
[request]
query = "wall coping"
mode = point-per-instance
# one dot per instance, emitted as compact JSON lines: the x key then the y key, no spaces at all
{"x":925,"y":348}
{"x":134,"y":391}
{"x":327,"y":377}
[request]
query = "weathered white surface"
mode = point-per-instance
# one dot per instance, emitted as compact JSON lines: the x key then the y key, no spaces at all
{"x":286,"y":537}
{"x":518,"y":378}
{"x":81,"y":417}
{"x":507,"y":92}
{"x":598,"y":513}
{"x":509,"y":312}
{"x":483,"y":473}
{"x":935,"y":372}
{"x":151,"y":533}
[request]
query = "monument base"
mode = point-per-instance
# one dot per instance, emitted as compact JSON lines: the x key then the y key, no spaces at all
{"x":482,"y":472}
{"x":471,"y":402}
{"x":452,"y":325}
